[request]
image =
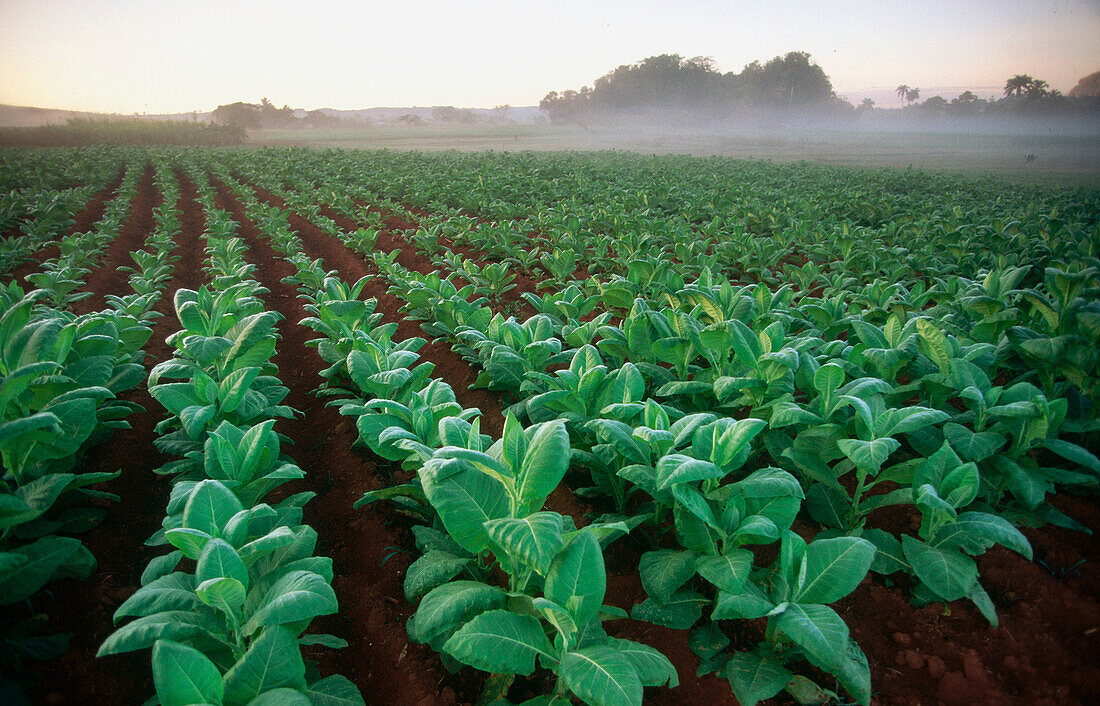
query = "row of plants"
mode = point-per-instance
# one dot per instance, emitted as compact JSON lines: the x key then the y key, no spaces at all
{"x":40,"y":195}
{"x":225,"y":611}
{"x":489,"y":497}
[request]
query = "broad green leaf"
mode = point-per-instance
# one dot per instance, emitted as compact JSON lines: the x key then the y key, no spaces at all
{"x":726,"y":571}
{"x":975,"y":532}
{"x":224,"y":594}
{"x":654,"y":669}
{"x":602,"y":676}
{"x":174,"y":591}
{"x":1074,"y":454}
{"x":44,"y":558}
{"x":465,"y":499}
{"x":664,"y":571}
{"x":536,"y":538}
{"x":818,"y":630}
{"x":682,"y":610}
{"x":544,"y":465}
{"x":500,"y":642}
{"x":577,"y":579}
{"x":432,"y":569}
{"x":273,"y":660}
{"x":754,"y":677}
{"x":185,"y":676}
{"x":209,"y":506}
{"x":219,"y":559}
{"x":299,"y":595}
{"x":168,"y":625}
{"x":834,"y":567}
{"x":453,"y":604}
{"x":868,"y":455}
{"x":949,"y":573}
{"x":335,"y":690}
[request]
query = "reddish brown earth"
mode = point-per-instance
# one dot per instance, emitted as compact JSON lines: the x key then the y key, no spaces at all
{"x":1044,"y":652}
{"x":84,"y":220}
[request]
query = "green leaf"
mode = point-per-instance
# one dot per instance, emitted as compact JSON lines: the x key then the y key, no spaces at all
{"x":451,"y":605}
{"x":175,"y":591}
{"x":948,"y":573}
{"x":219,"y":559}
{"x":975,"y":532}
{"x":544,"y":465}
{"x":654,"y":669}
{"x":972,"y":446}
{"x":500,"y":642}
{"x":1074,"y":454}
{"x":168,"y":625}
{"x":299,"y":595}
{"x":185,"y":676}
{"x":335,"y":690}
{"x":432,"y":569}
{"x":282,"y":696}
{"x":664,"y":571}
{"x":273,"y":660}
{"x":194,"y":419}
{"x":209,"y":506}
{"x":233,"y":387}
{"x":577,"y":580}
{"x":679,"y":468}
{"x":536,"y":538}
{"x":727,"y":571}
{"x":754,"y":677}
{"x":602,"y":676}
{"x":868,"y":455}
{"x":818,"y":630}
{"x":682,"y":610}
{"x":834,"y":567}
{"x":225,"y":594}
{"x":934,"y":344}
{"x":465,"y":499}
{"x":44,"y":558}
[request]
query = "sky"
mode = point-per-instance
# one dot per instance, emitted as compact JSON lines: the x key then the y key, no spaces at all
{"x":160,"y":56}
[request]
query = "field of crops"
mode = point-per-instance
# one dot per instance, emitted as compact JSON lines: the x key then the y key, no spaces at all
{"x":291,"y":426}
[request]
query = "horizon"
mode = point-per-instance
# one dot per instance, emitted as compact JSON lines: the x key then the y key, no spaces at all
{"x":127,"y":57}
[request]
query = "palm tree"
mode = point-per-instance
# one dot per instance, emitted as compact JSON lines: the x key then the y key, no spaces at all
{"x":1017,"y":84}
{"x":912,"y":95}
{"x":1038,"y":89}
{"x":902,"y":91}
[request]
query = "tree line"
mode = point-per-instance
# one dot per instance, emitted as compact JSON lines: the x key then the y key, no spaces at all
{"x":790,"y":85}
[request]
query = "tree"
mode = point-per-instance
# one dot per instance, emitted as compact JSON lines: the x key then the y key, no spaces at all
{"x":865,"y":106}
{"x":912,"y":95}
{"x":1037,"y":89}
{"x":902,"y":91}
{"x":1017,"y":85}
{"x":241,"y":115}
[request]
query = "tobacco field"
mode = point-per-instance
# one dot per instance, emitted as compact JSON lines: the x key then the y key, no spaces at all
{"x":293,"y":426}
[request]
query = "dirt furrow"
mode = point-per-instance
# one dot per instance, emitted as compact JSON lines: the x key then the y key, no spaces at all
{"x":105,"y":277}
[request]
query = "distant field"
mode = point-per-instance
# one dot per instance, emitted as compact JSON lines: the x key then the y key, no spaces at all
{"x":1059,"y":159}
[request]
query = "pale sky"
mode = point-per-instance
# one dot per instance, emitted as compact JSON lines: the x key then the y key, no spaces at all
{"x":173,"y":55}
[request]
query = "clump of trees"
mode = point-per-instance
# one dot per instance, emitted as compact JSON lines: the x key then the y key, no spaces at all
{"x":669,"y":83}
{"x":1023,"y":97}
{"x":254,"y":115}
